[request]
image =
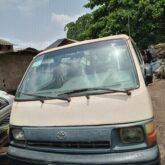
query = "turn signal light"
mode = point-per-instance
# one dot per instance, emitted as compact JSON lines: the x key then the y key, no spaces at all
{"x":151,"y":133}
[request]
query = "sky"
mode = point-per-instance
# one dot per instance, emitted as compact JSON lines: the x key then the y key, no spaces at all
{"x":37,"y":23}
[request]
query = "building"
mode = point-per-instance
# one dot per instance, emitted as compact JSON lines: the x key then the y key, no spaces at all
{"x":13,"y":65}
{"x":5,"y":46}
{"x":61,"y":42}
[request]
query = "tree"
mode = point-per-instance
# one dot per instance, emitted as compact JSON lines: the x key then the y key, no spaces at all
{"x":79,"y":29}
{"x":144,"y":19}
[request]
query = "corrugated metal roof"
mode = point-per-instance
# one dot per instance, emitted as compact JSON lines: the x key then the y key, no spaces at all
{"x":161,"y":45}
{"x":4,"y":42}
{"x":58,"y":42}
{"x":27,"y":51}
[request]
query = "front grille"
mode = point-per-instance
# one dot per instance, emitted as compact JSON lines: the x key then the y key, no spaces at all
{"x":86,"y":139}
{"x":5,"y":121}
{"x":3,"y":129}
{"x":3,"y":133}
{"x":72,"y":145}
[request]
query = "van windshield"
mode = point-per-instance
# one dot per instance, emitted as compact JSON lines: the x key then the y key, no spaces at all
{"x":104,"y":64}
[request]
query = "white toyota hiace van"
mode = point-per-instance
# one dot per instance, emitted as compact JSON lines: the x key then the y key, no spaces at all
{"x":85,"y":103}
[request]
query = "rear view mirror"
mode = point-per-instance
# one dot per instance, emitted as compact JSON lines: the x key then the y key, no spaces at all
{"x":148,"y":74}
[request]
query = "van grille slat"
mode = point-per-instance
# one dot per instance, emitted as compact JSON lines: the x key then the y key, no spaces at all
{"x":74,"y":145}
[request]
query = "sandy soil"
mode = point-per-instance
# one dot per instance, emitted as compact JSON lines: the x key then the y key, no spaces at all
{"x":157,"y":91}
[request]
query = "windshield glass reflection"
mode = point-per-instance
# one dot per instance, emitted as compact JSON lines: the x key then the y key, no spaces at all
{"x":100,"y":64}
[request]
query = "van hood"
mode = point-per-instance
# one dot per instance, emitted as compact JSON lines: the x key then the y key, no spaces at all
{"x":97,"y":110}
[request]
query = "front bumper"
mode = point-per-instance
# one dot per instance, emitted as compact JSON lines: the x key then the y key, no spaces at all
{"x":141,"y":157}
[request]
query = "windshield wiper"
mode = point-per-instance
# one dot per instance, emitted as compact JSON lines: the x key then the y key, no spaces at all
{"x":109,"y":90}
{"x":42,"y":98}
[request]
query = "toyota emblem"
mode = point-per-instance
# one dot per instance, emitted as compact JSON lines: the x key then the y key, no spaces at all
{"x":61,"y":135}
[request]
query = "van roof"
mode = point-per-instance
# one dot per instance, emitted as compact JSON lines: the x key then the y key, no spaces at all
{"x":121,"y":36}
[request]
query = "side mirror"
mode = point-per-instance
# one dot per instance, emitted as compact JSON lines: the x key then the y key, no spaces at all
{"x":148,"y":74}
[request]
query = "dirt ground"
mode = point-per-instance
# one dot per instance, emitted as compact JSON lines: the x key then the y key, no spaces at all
{"x":157,"y":92}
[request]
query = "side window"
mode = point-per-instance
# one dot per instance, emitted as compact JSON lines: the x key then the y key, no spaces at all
{"x":139,"y":56}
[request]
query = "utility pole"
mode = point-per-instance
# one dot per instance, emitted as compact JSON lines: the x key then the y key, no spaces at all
{"x":129,"y":32}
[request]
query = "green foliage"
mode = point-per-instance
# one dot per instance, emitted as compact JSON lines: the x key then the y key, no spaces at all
{"x":80,"y":29}
{"x":144,"y":18}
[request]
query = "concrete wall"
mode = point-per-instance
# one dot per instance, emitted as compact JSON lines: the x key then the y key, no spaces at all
{"x":12,"y":69}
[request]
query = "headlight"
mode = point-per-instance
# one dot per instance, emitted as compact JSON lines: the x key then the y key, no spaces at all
{"x":18,"y":134}
{"x":131,"y":135}
{"x":3,"y":103}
